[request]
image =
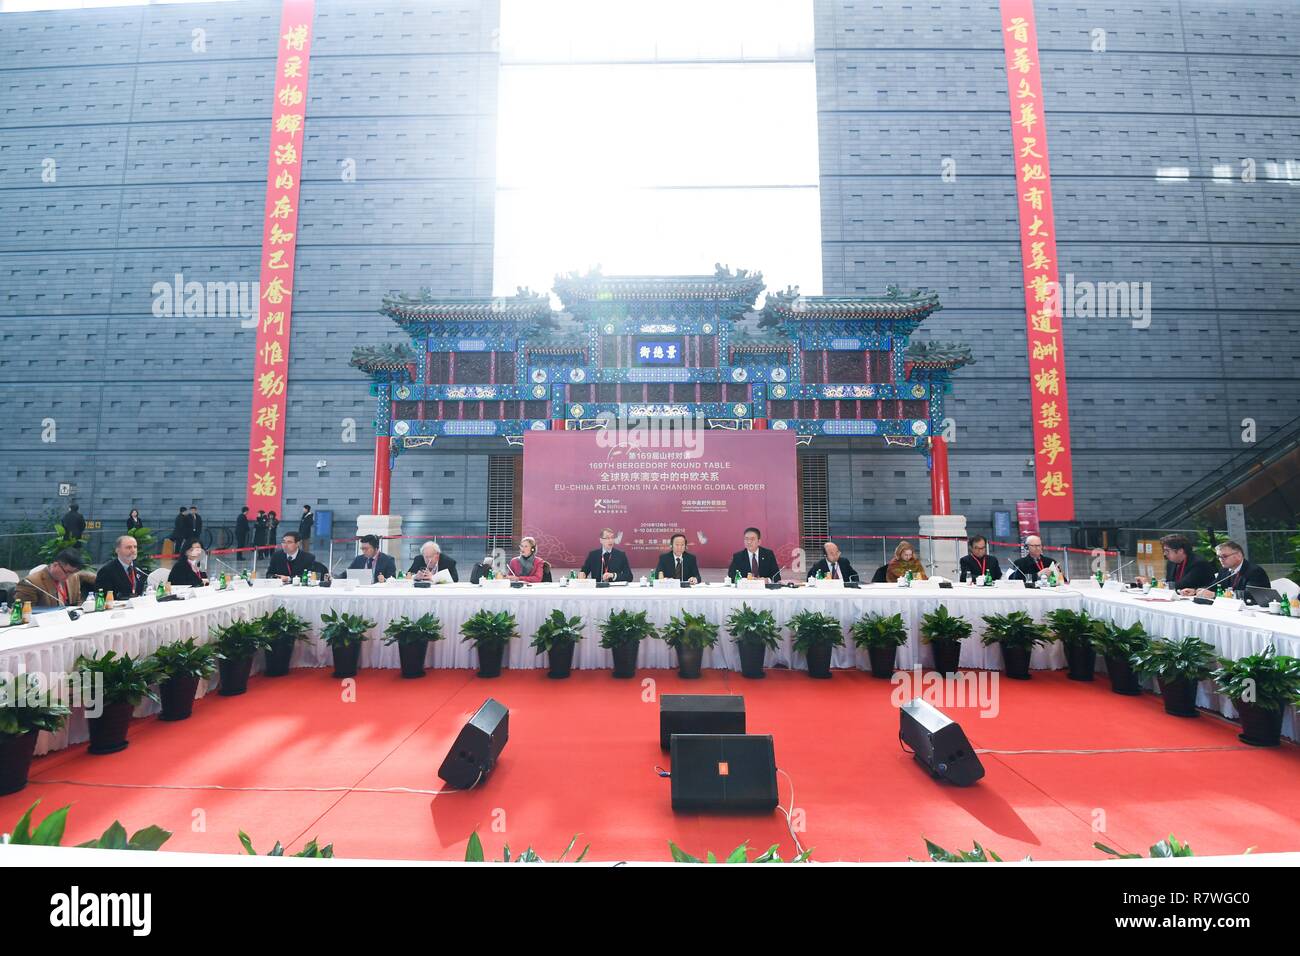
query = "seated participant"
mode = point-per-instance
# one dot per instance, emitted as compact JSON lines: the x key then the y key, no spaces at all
{"x":754,"y":561}
{"x":833,"y":565}
{"x":1237,"y":574}
{"x":607,"y":563}
{"x":289,"y":561}
{"x":120,"y":575}
{"x":381,"y":566}
{"x":58,"y":584}
{"x":678,"y":562}
{"x":1184,"y":569}
{"x":904,"y":560}
{"x":526,"y":566}
{"x":430,"y":561}
{"x":186,"y":570}
{"x":1034,"y":564}
{"x":977,"y":561}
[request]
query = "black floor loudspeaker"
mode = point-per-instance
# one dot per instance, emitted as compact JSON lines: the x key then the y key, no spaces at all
{"x":477,"y":746}
{"x":723,"y":772}
{"x":700,"y":714}
{"x":938,"y":743}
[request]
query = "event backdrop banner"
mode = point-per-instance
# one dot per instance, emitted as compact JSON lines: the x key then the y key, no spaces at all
{"x":710,"y":487}
{"x":1049,"y":400}
{"x":279,"y":242}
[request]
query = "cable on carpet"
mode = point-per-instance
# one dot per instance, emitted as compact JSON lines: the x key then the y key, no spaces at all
{"x":1116,"y":750}
{"x":789,"y":823}
{"x":217,"y":786}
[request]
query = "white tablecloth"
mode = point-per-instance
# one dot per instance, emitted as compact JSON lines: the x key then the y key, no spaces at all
{"x":52,"y":648}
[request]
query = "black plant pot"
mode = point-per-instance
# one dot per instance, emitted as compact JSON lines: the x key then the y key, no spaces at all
{"x":177,"y":697}
{"x":947,"y":655}
{"x":625,"y":659}
{"x":347,"y":657}
{"x":882,"y":661}
{"x":1259,"y":727}
{"x":16,"y":760}
{"x":689,"y":660}
{"x":752,"y":654}
{"x":278,"y":656}
{"x":412,"y":658}
{"x":1180,"y":697}
{"x":1082,"y":660}
{"x":1122,"y":678}
{"x":108,"y":730}
{"x":234,"y":676}
{"x":489,"y":659}
{"x":819,"y":661}
{"x":1016,"y":661}
{"x":560,"y":658}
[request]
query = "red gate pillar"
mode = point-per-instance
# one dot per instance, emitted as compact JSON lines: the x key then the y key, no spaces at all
{"x":379,"y":493}
{"x":939,"y":501}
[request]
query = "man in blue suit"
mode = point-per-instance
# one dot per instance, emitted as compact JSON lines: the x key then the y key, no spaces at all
{"x":381,"y":566}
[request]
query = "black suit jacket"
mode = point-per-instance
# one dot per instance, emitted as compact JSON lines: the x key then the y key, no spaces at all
{"x":182,"y":573}
{"x":444,"y":564}
{"x":195,"y":524}
{"x":616,"y":562}
{"x":1029,"y":570}
{"x":74,"y":524}
{"x":1197,"y":573}
{"x":181,"y":528}
{"x":970,"y":568}
{"x":241,"y":530}
{"x":113,"y":577}
{"x":306,"y":523}
{"x":668,"y":565}
{"x":281,"y":565}
{"x":767,"y":566}
{"x":1247,"y":576}
{"x":385,"y":564}
{"x":823,"y":566}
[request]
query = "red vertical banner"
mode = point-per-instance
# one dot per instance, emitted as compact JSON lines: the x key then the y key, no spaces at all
{"x":279,"y":242}
{"x":1050,"y":402}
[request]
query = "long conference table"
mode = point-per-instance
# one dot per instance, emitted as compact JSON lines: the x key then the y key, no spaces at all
{"x":51,"y":644}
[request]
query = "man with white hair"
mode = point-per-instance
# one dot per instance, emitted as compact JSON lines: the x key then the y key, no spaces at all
{"x":121,"y":575}
{"x":430,"y":561}
{"x":1035,"y":564}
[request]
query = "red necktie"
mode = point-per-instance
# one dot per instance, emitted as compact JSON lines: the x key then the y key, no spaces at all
{"x":130,"y":574}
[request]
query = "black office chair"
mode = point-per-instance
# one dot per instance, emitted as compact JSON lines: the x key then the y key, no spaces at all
{"x":879,"y":576}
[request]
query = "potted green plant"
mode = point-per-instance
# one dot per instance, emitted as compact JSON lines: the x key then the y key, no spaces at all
{"x":490,"y":632}
{"x":755,"y":633}
{"x":412,"y":637}
{"x":1019,"y":634}
{"x":622,"y":633}
{"x":944,"y":632}
{"x":882,"y":635}
{"x":236,"y":644}
{"x":557,"y":636}
{"x":1075,"y":630}
{"x":689,"y":634}
{"x":815,"y":636}
{"x":125,"y":682}
{"x":1178,"y":667}
{"x":1117,"y":646}
{"x":26,"y":708}
{"x":283,"y":630}
{"x":345,"y":633}
{"x":178,"y":668}
{"x":1260,"y":686}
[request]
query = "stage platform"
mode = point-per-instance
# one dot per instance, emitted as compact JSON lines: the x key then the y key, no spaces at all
{"x":297,"y":760}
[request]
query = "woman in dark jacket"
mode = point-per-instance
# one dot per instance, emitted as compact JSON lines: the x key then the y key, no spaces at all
{"x":186,"y":570}
{"x":134,"y":521}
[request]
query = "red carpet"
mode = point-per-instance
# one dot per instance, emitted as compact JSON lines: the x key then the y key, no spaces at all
{"x":581,"y":755}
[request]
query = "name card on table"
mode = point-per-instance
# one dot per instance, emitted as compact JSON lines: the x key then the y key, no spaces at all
{"x":667,"y":583}
{"x":753,"y":584}
{"x":831,"y":583}
{"x":582,"y":582}
{"x":496,"y":583}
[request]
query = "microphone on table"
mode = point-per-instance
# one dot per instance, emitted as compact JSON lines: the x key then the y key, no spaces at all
{"x":74,"y":612}
{"x":1127,"y":564}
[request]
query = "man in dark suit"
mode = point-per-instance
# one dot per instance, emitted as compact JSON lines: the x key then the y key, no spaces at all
{"x":290,"y":561}
{"x":260,"y":526}
{"x":678,"y":563}
{"x":833,"y":565}
{"x":1237,"y":574}
{"x":306,"y":524}
{"x":1035,"y":564}
{"x":754,"y":561}
{"x":977,"y":562}
{"x":120,"y":575}
{"x":242,"y":525}
{"x":180,"y":531}
{"x":1184,"y":569}
{"x":381,"y":566}
{"x":607,"y":563}
{"x":74,"y":525}
{"x":196,"y":524}
{"x":430,"y":561}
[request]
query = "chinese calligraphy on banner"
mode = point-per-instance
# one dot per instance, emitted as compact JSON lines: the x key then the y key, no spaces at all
{"x":1051,"y":414}
{"x":279,"y":232}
